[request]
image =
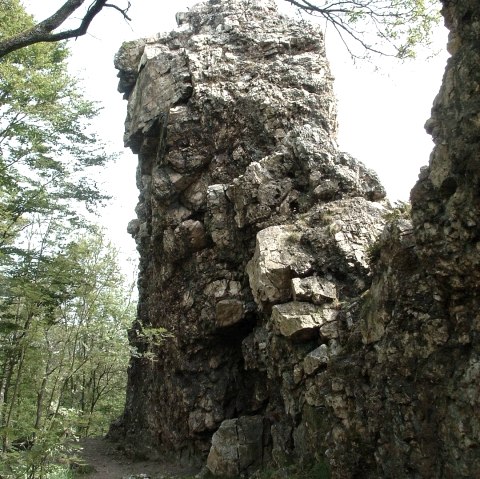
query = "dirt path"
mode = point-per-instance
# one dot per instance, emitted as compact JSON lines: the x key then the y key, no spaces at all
{"x":109,"y":463}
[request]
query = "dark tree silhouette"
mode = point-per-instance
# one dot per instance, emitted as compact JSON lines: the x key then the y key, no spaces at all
{"x":45,"y":31}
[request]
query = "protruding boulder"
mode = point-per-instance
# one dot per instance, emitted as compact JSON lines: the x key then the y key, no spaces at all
{"x":278,"y":257}
{"x":296,"y":319}
{"x":237,"y":447}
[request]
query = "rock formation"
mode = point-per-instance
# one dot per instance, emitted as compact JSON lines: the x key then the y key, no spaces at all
{"x":262,"y":335}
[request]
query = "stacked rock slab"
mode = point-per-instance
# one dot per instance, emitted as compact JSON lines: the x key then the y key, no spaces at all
{"x":252,"y":228}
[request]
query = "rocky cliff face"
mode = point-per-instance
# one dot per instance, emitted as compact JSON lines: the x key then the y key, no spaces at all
{"x":431,"y":336}
{"x":262,"y":334}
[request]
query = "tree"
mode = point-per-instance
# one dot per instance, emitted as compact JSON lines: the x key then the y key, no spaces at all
{"x":45,"y":31}
{"x":45,"y":142}
{"x":386,"y":27}
{"x":64,"y":306}
{"x":64,"y":349}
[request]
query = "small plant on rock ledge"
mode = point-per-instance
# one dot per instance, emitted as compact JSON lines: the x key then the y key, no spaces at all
{"x":373,"y":252}
{"x":150,"y":338}
{"x":401,"y":210}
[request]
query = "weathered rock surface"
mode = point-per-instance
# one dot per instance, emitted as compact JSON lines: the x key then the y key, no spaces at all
{"x":238,"y":446}
{"x":420,"y":320}
{"x":255,"y":234}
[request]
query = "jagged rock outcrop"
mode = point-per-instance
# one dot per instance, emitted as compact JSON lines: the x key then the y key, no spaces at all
{"x":255,"y":235}
{"x":410,"y":373}
{"x":252,"y":226}
{"x":421,"y":362}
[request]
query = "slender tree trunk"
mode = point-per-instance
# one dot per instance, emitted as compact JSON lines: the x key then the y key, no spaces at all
{"x":13,"y":399}
{"x":6,"y":384}
{"x":40,"y":401}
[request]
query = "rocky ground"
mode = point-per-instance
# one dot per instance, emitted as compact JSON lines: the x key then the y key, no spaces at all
{"x":106,"y":462}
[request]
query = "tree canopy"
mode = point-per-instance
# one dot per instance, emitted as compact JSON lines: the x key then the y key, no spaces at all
{"x":63,"y":349}
{"x":45,"y":141}
{"x":64,"y":305}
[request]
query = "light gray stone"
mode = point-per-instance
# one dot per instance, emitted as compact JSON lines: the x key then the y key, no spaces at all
{"x":295,"y":317}
{"x":314,"y":289}
{"x":320,"y":357}
{"x":237,"y":447}
{"x":229,"y":312}
{"x":316,"y":359}
{"x":278,"y":256}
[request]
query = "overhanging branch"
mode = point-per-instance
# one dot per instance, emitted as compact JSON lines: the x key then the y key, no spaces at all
{"x":123,"y":11}
{"x":45,"y":30}
{"x":381,"y":27}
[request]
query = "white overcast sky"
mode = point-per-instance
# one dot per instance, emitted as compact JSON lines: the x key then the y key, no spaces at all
{"x":381,"y":111}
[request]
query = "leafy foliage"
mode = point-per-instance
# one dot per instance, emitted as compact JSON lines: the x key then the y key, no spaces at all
{"x":45,"y":145}
{"x":64,"y":306}
{"x":401,"y":210}
{"x":64,"y":354}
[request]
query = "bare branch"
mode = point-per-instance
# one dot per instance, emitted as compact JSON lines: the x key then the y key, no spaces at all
{"x":381,"y":27}
{"x":123,"y":11}
{"x":45,"y":30}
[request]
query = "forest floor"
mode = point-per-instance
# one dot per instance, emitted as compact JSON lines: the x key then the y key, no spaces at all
{"x":108,"y":462}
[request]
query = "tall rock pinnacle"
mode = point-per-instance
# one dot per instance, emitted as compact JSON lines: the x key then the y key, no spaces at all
{"x":234,"y":121}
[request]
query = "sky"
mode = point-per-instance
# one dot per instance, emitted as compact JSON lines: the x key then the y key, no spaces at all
{"x":382,"y":107}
